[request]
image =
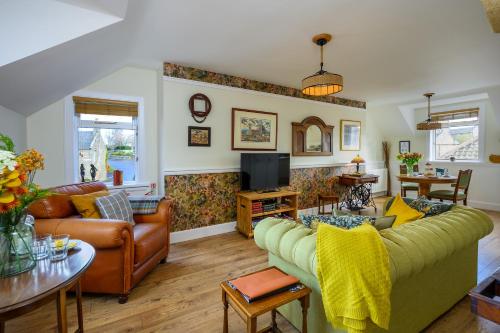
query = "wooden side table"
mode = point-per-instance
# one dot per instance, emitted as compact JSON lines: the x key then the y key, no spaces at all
{"x":323,"y":199}
{"x":26,"y":292}
{"x":250,"y":311}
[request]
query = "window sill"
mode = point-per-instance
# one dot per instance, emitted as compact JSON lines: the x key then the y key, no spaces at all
{"x":133,"y":184}
{"x":464,"y":163}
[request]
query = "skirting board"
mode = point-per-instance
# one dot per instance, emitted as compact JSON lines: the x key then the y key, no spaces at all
{"x":484,"y":205}
{"x":212,"y":230}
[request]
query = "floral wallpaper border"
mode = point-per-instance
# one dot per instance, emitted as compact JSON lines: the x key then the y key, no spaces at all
{"x":195,"y":74}
{"x":202,"y":200}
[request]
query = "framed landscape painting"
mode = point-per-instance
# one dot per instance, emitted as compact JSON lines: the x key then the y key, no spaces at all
{"x":254,"y":130}
{"x":350,"y":135}
{"x":199,"y":136}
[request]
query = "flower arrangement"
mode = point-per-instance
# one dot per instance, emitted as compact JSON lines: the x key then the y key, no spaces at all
{"x":410,"y":158}
{"x":17,"y":192}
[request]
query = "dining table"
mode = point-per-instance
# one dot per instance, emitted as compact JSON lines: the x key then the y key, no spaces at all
{"x":425,"y":182}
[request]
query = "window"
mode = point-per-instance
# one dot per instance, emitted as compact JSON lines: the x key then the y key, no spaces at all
{"x":458,"y":137}
{"x":107,"y":138}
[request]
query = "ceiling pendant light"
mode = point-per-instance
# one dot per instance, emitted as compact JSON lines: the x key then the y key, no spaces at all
{"x":322,"y":83}
{"x":428,"y":124}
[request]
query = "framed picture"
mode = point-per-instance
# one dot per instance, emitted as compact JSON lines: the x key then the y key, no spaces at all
{"x":254,"y":130}
{"x":350,"y":135}
{"x":199,"y":136}
{"x":404,"y":147}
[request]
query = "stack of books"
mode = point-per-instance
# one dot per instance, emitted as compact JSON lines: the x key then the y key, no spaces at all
{"x":269,"y":205}
{"x":263,"y":283}
{"x":257,"y":207}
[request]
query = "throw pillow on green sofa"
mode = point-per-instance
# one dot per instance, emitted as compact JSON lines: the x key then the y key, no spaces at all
{"x":430,"y":208}
{"x":384,"y":222}
{"x":343,"y":221}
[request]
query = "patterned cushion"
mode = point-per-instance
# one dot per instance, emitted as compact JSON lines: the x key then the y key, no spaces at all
{"x":144,"y":204}
{"x":115,"y":207}
{"x":343,"y":221}
{"x":430,"y":208}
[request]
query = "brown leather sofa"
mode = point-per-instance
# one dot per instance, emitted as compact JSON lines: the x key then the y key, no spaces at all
{"x":124,"y":254}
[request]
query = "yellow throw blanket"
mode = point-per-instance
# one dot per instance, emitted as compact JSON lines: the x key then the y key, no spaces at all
{"x":353,"y":273}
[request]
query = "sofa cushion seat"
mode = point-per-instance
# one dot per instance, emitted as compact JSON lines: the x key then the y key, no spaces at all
{"x":149,"y":238}
{"x":446,"y":194}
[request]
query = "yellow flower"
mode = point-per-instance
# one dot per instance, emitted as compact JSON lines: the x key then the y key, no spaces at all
{"x":6,"y":198}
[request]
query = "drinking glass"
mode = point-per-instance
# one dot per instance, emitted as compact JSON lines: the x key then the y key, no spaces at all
{"x":41,"y":245}
{"x":59,"y":247}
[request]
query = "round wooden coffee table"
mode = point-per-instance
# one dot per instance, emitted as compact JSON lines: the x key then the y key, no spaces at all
{"x":48,"y":280}
{"x":424,"y":182}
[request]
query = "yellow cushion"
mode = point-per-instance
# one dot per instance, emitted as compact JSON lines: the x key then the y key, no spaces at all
{"x":403,"y":212}
{"x":85,"y":204}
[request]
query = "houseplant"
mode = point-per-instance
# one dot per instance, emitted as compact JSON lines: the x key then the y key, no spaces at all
{"x":17,"y":191}
{"x":410,"y":159}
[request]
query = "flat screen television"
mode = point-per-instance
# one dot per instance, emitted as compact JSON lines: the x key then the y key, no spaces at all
{"x":264,"y":172}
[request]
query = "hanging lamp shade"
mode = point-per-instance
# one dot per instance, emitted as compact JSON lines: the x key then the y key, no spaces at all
{"x":429,"y":124}
{"x":322,"y":83}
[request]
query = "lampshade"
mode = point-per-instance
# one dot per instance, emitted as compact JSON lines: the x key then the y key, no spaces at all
{"x":358,"y":159}
{"x":322,"y":83}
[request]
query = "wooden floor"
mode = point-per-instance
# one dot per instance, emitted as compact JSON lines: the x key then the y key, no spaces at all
{"x":184,"y":296}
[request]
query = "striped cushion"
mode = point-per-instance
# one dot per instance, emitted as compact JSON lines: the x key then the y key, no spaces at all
{"x":144,"y":204}
{"x":115,"y":207}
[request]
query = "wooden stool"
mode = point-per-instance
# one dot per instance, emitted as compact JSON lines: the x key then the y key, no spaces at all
{"x":250,"y":311}
{"x":326,"y":198}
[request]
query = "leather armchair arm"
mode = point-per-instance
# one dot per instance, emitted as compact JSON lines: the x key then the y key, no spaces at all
{"x":101,"y":234}
{"x":163,"y":213}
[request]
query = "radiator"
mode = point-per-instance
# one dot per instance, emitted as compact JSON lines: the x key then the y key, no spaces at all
{"x":381,"y":186}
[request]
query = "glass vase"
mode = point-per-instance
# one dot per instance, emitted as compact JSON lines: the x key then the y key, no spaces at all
{"x":409,"y":168}
{"x":16,"y":239}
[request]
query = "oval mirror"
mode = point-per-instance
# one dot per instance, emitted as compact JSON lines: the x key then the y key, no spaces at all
{"x":313,"y":139}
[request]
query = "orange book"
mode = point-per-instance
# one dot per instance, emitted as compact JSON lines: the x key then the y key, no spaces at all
{"x":263,"y":283}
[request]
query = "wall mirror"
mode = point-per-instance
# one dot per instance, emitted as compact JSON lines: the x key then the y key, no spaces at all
{"x":312,"y":137}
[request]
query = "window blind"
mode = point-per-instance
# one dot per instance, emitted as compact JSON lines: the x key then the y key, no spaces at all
{"x":464,"y":117}
{"x":105,"y":107}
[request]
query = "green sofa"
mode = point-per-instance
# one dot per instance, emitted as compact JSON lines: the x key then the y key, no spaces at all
{"x":433,"y":264}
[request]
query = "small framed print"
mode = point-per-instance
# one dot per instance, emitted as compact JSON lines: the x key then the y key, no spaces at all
{"x":350,"y":135}
{"x":199,"y":136}
{"x":404,"y":147}
{"x":254,"y":130}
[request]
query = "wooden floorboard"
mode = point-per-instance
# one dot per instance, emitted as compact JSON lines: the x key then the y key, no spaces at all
{"x":183,"y":295}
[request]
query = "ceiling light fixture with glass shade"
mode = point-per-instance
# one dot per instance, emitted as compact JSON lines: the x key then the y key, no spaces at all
{"x":429,"y":124}
{"x":322,"y":83}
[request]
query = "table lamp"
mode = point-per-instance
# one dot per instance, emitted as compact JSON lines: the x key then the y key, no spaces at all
{"x":358,"y":159}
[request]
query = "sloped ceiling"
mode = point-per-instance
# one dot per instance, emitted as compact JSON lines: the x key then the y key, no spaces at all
{"x":388,"y":50}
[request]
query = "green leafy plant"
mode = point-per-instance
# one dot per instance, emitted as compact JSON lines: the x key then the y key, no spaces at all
{"x":6,"y":143}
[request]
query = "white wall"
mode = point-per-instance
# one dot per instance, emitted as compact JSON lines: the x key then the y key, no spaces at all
{"x":13,"y":124}
{"x":484,"y":191}
{"x":178,"y":156}
{"x":46,"y":127}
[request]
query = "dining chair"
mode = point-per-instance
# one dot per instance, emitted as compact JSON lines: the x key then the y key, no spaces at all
{"x":329,"y":197}
{"x":460,"y":191}
{"x":407,"y":186}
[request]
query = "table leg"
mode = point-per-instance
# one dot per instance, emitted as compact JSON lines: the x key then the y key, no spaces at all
{"x":62,"y":320}
{"x":252,"y":325}
{"x":78,"y":290}
{"x":304,"y":302}
{"x":225,"y":325}
{"x":274,"y":326}
{"x":2,"y":327}
{"x":424,"y":189}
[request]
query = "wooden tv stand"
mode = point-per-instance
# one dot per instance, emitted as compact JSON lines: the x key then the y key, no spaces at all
{"x":289,"y":205}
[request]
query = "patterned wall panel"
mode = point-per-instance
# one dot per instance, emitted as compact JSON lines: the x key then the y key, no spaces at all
{"x":207,"y":199}
{"x":195,"y":74}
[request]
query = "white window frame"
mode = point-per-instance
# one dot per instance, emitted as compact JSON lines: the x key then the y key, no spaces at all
{"x":481,"y":135}
{"x":71,"y":134}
